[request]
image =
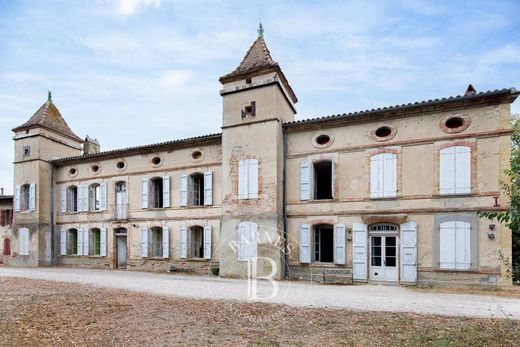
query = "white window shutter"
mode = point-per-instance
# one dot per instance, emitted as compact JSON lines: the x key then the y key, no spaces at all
{"x":103,"y":196}
{"x":447,"y":245}
{"x":166,"y":242}
{"x":359,"y":252}
{"x":32,"y":197}
{"x":243,"y":176}
{"x":207,"y":242}
{"x":253,"y":246}
{"x":17,"y":198}
{"x":447,"y":172}
{"x":305,"y":180}
{"x":184,"y":190}
{"x":242,"y":239}
{"x":252,"y":172}
{"x":144,"y":193}
{"x":23,"y":240}
{"x":80,"y":198}
{"x":63,"y":199}
{"x":183,"y":245}
{"x":376,"y":176}
{"x":462,"y":170}
{"x":63,"y":242}
{"x":390,"y":175}
{"x":103,"y":242}
{"x":339,"y":244}
{"x":85,"y":198}
{"x":86,"y":240}
{"x":408,"y":252}
{"x":166,"y":191}
{"x":79,"y":241}
{"x":144,"y":242}
{"x":208,"y":188}
{"x":462,"y":241}
{"x":305,"y":243}
{"x":247,"y":241}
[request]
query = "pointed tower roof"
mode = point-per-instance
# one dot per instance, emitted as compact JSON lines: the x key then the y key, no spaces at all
{"x":50,"y":118}
{"x":257,"y":61}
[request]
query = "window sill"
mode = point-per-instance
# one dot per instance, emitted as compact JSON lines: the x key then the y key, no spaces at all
{"x":455,"y":195}
{"x":325,"y":264}
{"x":155,"y":258}
{"x":379,"y":198}
{"x":473,"y":271}
{"x":196,"y":259}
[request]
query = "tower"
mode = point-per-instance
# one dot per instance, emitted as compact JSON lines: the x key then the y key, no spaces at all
{"x":257,"y":100}
{"x":45,"y":136}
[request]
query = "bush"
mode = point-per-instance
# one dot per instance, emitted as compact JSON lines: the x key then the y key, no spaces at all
{"x":215,"y":271}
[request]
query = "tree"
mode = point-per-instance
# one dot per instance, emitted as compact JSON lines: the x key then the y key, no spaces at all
{"x":511,"y":217}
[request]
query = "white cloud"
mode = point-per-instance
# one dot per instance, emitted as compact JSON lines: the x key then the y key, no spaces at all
{"x":173,"y":79}
{"x":129,"y":7}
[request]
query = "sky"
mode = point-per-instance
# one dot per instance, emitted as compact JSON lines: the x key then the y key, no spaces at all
{"x":135,"y":72}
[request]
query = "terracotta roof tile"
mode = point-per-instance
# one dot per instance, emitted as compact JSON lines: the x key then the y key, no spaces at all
{"x":49,"y":117}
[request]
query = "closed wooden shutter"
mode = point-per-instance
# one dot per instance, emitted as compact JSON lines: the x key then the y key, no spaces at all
{"x":183,"y":246}
{"x":207,"y":242}
{"x":462,"y":170}
{"x":103,"y":196}
{"x":243,"y":183}
{"x":305,"y":180}
{"x":17,"y":198}
{"x":63,"y":199}
{"x":80,"y":198}
{"x":447,"y":243}
{"x":144,"y":192}
{"x":447,"y":170}
{"x":305,"y":243}
{"x":247,"y":241}
{"x":79,"y":241}
{"x":63,"y":242}
{"x":2,"y":218}
{"x":408,"y":252}
{"x":166,"y":242}
{"x":184,"y":190}
{"x":208,"y":188}
{"x":376,"y":176}
{"x":32,"y":197}
{"x":166,"y":191}
{"x":390,"y":175}
{"x":86,"y":239}
{"x":103,"y":242}
{"x":359,"y":252}
{"x":23,"y":240}
{"x":144,"y":242}
{"x":339,"y":244}
{"x":85,"y":198}
{"x":463,"y":242}
{"x":252,"y":171}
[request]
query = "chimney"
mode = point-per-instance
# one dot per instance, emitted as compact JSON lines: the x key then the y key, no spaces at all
{"x":470,"y":90}
{"x":1,"y":191}
{"x":91,"y":146}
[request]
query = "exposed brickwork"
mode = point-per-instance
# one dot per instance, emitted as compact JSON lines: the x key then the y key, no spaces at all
{"x":472,"y":143}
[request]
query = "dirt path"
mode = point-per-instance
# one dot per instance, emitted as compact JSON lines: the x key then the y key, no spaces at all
{"x":296,"y":294}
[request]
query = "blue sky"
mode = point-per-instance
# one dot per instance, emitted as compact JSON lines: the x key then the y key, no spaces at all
{"x":132,"y":72}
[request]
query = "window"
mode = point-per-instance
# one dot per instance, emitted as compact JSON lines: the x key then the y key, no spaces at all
{"x":323,"y":180}
{"x":72,"y":242}
{"x":6,"y":217}
{"x":95,"y":197}
{"x":324,"y":243}
{"x":249,"y":111}
{"x":197,"y":189}
{"x":72,"y":199}
{"x":95,"y":241}
{"x":26,"y":151}
{"x":455,"y":170}
{"x":23,"y":240}
{"x":247,"y":241}
{"x":156,"y":192}
{"x":197,"y":242}
{"x":248,"y":179}
{"x":455,"y":245}
{"x":383,"y":175}
{"x":157,"y":242}
{"x":24,"y":197}
{"x":7,"y":246}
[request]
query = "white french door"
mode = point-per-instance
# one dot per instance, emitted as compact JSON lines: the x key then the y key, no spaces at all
{"x":383,"y":258}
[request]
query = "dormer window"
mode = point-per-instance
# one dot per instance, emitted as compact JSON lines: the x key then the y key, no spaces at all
{"x":250,"y":110}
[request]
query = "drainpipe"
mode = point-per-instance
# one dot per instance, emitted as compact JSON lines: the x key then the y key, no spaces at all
{"x":53,"y":262}
{"x":284,"y":207}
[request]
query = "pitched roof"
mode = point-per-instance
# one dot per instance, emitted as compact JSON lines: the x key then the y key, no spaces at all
{"x":257,"y":58}
{"x":491,"y":97}
{"x":49,"y":117}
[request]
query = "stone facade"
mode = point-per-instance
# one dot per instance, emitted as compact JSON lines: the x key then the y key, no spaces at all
{"x":300,"y":198}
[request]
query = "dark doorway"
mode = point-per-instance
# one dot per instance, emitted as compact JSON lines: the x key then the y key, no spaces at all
{"x":324,"y":243}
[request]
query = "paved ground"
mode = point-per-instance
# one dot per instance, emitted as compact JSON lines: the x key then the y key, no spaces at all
{"x":357,"y":297}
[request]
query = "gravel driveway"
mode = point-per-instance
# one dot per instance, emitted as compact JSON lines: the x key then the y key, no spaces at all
{"x":357,"y":297}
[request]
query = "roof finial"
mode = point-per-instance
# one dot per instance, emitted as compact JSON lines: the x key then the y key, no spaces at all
{"x":49,"y":96}
{"x":260,"y":30}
